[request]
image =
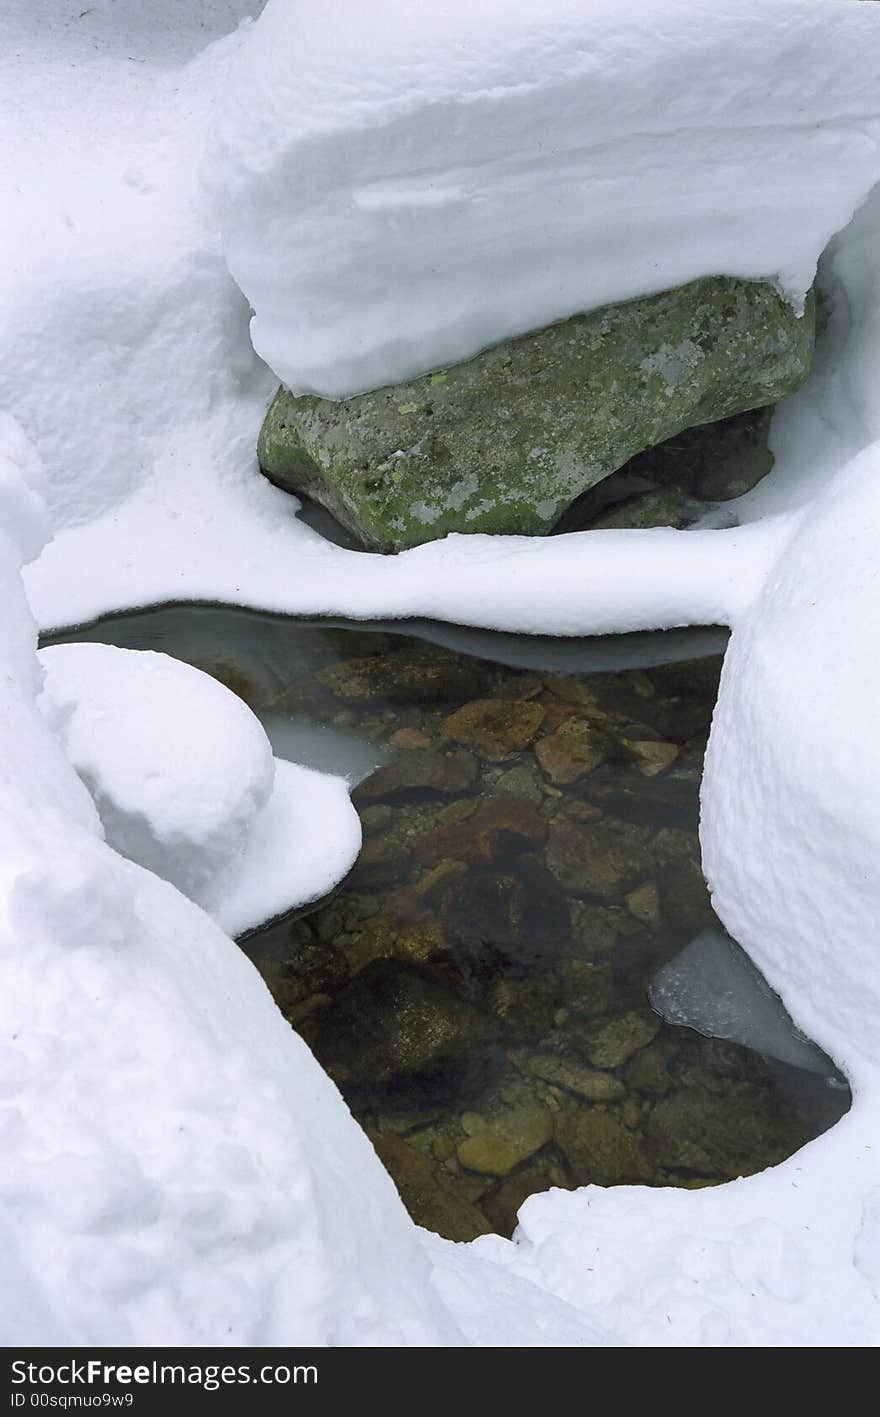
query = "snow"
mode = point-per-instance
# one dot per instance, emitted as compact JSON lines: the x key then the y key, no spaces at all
{"x":789,"y":830}
{"x":113,"y":290}
{"x":303,"y":843}
{"x":173,"y":1162}
{"x":563,"y":586}
{"x":168,"y":458}
{"x":215,"y":1187}
{"x":799,"y":682}
{"x":185,"y":783}
{"x":505,"y":165}
{"x":178,"y":767}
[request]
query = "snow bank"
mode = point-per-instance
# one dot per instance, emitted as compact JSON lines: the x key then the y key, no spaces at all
{"x":175,"y":1167}
{"x":148,"y":420}
{"x":798,"y":693}
{"x":791,"y":840}
{"x":401,"y":186}
{"x":836,"y":413}
{"x":32,"y":764}
{"x":790,"y":830}
{"x":584,"y":583}
{"x":124,"y":341}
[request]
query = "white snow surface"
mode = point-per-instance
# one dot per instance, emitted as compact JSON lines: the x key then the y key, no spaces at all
{"x":178,"y":767}
{"x":400,"y":186}
{"x":185,"y":783}
{"x":214,"y":1186}
{"x":795,"y":708}
{"x":302,"y":844}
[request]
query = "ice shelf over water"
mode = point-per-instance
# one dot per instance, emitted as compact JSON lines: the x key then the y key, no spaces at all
{"x":713,"y":987}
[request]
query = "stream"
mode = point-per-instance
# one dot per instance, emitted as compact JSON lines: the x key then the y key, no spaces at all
{"x":522,"y":983}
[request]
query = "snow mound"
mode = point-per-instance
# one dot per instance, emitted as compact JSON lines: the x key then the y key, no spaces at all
{"x":124,"y":341}
{"x":178,"y":767}
{"x":185,"y":783}
{"x":302,"y":844}
{"x":23,"y":517}
{"x":32,"y":765}
{"x":790,"y":826}
{"x":401,"y":186}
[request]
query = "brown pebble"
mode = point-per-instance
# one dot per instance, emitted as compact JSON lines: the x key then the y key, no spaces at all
{"x":410,"y":738}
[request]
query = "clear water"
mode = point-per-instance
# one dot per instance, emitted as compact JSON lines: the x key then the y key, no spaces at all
{"x":479,"y":986}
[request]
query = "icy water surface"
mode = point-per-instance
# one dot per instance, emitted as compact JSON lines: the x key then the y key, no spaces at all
{"x":480,"y":986}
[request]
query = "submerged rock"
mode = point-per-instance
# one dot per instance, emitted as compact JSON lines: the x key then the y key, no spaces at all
{"x":506,"y":1140}
{"x":684,"y":895}
{"x":693,"y":1131}
{"x":431,"y":1199}
{"x":575,"y":749}
{"x":509,"y":440}
{"x":502,"y":825}
{"x":419,"y":676}
{"x":418,"y":774}
{"x":567,"y":1073}
{"x":394,"y":1031}
{"x":601,"y":1148}
{"x":652,"y":758}
{"x":498,"y":728}
{"x":514,"y":918}
{"x":598,"y":859}
{"x":618,"y":1040}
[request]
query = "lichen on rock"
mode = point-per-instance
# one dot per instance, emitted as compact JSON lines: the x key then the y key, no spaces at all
{"x":508,"y":441}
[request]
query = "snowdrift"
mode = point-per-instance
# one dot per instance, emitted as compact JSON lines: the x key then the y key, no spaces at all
{"x":175,"y":1167}
{"x":400,"y":186}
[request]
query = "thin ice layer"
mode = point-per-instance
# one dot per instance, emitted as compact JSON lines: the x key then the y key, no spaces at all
{"x":402,"y":186}
{"x":712,"y":986}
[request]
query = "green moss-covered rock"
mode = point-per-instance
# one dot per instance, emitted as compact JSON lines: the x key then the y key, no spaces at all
{"x":508,"y":441}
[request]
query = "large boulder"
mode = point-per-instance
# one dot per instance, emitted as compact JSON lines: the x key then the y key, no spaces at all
{"x":509,"y":440}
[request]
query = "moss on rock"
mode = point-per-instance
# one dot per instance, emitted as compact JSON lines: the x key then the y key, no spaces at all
{"x":509,"y":440}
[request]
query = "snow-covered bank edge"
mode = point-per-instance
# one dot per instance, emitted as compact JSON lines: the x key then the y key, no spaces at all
{"x":583,"y":583}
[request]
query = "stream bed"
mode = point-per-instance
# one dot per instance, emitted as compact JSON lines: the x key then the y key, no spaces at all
{"x":480,"y":986}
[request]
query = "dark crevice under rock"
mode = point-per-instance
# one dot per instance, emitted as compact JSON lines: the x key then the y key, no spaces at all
{"x":678,"y":481}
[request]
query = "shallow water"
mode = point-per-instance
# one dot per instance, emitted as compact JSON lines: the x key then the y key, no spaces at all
{"x":478,"y":986}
